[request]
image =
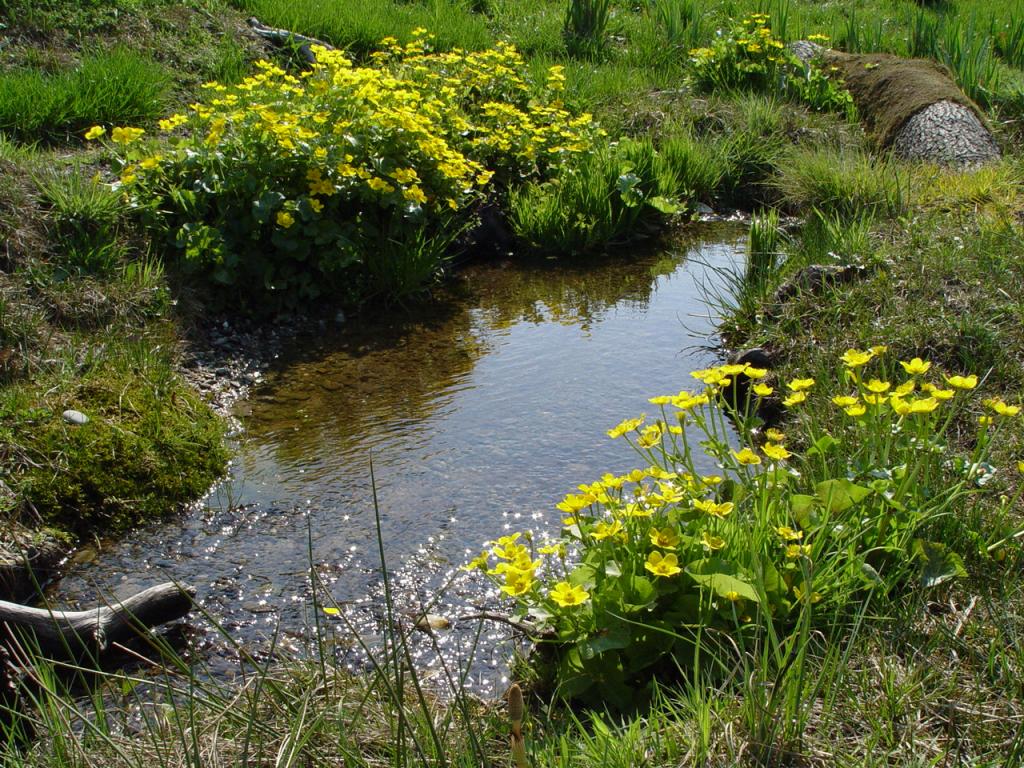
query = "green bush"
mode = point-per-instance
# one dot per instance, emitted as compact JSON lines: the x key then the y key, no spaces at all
{"x":668,"y":570}
{"x":608,"y":197}
{"x":284,"y":189}
{"x":752,"y":57}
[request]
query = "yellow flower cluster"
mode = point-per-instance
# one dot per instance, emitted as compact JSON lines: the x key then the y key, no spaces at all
{"x":416,"y":129}
{"x":911,"y":397}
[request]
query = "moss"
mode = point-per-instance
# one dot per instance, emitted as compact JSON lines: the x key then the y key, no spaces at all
{"x":146,"y":450}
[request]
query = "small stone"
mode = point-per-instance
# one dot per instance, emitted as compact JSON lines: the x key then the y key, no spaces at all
{"x":75,"y":417}
{"x":704,"y":210}
{"x":430,"y":621}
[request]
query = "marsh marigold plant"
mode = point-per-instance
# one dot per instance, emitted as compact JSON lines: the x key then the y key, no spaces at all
{"x":654,"y":564}
{"x":297,"y":185}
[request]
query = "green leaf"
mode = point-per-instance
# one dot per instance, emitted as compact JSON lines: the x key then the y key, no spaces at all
{"x":802,"y":508}
{"x":722,"y":577}
{"x":822,"y":445}
{"x":613,"y":639}
{"x":267,"y":203}
{"x":664,"y":204}
{"x":940,"y":563}
{"x":641,"y":593}
{"x":840,"y":495}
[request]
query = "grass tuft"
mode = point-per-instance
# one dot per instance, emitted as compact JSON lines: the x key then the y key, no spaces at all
{"x":117,"y":86}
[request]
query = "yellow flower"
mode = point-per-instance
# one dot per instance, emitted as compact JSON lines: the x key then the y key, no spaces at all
{"x":567,"y":595}
{"x":574,"y":502}
{"x":799,"y":385}
{"x":985,"y":421}
{"x":916,"y":367}
{"x":774,"y":435}
{"x":746,"y":456}
{"x":712,"y":508}
{"x":788,"y":533}
{"x":878,"y":387}
{"x":904,"y":389}
{"x":801,"y":593}
{"x":625,"y":426}
{"x":962,"y":382}
{"x":517,"y":584}
{"x":95,"y":132}
{"x":875,"y":399}
{"x":732,"y":596}
{"x":1002,"y":408}
{"x":711,"y":543}
{"x":665,"y":538}
{"x":711,"y":480}
{"x":762,"y":390}
{"x":794,"y":551}
{"x":775,"y":452}
{"x":795,"y":399}
{"x":126,"y":135}
{"x":650,"y":436}
{"x":879,"y":350}
{"x":855,"y":410}
{"x":316,"y":205}
{"x":415,"y":194}
{"x":635,"y":509}
{"x":663,"y":565}
{"x":285,"y":219}
{"x":477,"y":563}
{"x":755,"y":373}
{"x":379,"y":185}
{"x":172,"y":122}
{"x":899,"y":405}
{"x":924,"y":405}
{"x":844,"y":401}
{"x":854,"y":358}
{"x":605,"y":530}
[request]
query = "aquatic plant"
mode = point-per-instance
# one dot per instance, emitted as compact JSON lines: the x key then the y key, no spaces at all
{"x":666,"y":570}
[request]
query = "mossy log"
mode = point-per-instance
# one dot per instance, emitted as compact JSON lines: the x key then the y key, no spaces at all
{"x":84,"y":634}
{"x":911,"y":107}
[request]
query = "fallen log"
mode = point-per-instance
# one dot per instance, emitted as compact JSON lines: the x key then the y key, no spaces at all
{"x":79,"y":634}
{"x":287,"y":37}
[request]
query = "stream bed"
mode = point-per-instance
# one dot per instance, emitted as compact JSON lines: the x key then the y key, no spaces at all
{"x":477,"y":414}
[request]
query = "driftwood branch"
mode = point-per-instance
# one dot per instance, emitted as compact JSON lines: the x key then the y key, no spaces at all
{"x":287,"y":37}
{"x":77,"y":633}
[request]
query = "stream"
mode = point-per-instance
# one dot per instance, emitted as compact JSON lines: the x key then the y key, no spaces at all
{"x":477,"y":413}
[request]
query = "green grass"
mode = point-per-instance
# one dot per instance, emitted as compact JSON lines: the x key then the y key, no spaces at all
{"x":359,"y":26}
{"x":118,"y":86}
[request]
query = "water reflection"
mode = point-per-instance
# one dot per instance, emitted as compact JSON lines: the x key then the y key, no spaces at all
{"x":478,"y":415}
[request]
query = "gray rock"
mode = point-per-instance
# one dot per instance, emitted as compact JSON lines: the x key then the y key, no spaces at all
{"x":75,"y":417}
{"x":805,"y":50}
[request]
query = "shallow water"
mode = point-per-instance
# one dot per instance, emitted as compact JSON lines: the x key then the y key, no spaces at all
{"x":477,"y":415}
